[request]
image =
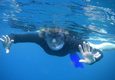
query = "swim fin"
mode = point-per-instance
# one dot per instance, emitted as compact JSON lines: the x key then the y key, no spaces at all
{"x":75,"y":59}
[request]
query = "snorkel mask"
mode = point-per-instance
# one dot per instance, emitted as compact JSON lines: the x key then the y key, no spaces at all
{"x":55,"y":40}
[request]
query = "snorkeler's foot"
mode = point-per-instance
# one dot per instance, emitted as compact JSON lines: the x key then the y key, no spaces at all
{"x":6,"y":41}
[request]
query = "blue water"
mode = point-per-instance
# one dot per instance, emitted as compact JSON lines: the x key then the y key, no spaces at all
{"x":28,"y":61}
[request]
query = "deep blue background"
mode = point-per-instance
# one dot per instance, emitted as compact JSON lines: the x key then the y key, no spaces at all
{"x":28,"y":61}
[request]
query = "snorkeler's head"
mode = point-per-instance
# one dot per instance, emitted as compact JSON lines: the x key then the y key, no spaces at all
{"x":54,"y":39}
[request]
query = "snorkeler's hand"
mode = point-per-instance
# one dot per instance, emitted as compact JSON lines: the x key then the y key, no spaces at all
{"x":6,"y":42}
{"x":86,"y":52}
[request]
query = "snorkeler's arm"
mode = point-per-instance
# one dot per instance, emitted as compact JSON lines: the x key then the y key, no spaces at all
{"x":7,"y":40}
{"x":103,"y":46}
{"x":26,"y":37}
{"x":89,"y":54}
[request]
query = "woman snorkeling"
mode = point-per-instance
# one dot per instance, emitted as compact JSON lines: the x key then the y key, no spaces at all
{"x":58,"y":42}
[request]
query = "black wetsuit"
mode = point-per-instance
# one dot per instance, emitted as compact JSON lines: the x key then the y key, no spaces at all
{"x":71,"y":43}
{"x":72,"y":40}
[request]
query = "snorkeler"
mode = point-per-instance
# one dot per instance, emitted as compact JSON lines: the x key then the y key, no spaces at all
{"x":57,"y":42}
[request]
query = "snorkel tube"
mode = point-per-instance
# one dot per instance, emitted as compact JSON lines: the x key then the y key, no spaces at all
{"x":75,"y":60}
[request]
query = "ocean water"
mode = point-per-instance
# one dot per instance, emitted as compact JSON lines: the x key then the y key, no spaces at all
{"x":28,"y":61}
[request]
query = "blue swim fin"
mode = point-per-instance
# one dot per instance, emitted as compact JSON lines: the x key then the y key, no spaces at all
{"x":75,"y":59}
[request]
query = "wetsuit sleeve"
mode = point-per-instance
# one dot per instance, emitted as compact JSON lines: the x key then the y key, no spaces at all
{"x":25,"y":37}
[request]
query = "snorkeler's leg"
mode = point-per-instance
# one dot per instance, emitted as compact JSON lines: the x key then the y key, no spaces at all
{"x":103,"y":46}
